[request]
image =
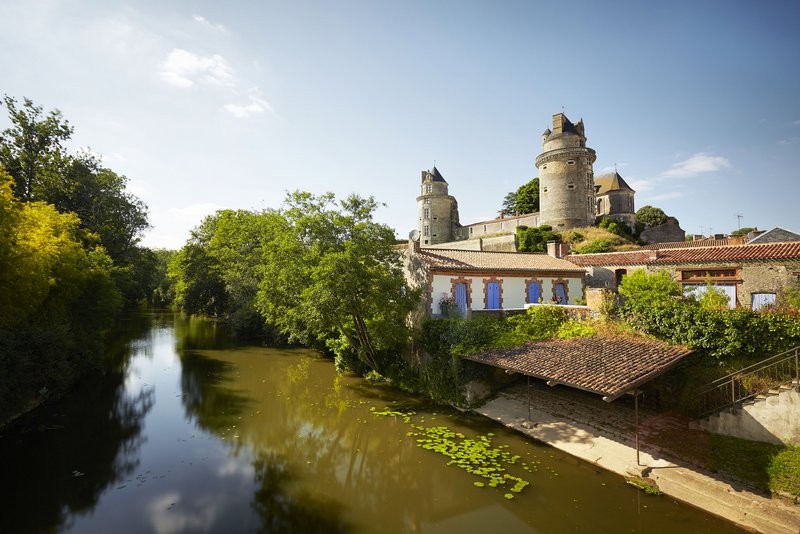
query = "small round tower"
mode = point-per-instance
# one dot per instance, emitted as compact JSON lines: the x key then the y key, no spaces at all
{"x":437,"y":211}
{"x":566,"y":178}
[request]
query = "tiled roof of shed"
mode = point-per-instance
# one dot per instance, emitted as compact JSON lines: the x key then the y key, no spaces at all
{"x":469,"y":260}
{"x":679,"y":256}
{"x":605,"y":365}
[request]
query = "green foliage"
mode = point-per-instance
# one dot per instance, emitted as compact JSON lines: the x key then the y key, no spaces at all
{"x":650,"y":216}
{"x":57,"y":299}
{"x":742,"y":231}
{"x":615,"y":227}
{"x":32,"y":150}
{"x":646,"y":291}
{"x":600,"y":245}
{"x":784,"y":471}
{"x":535,"y":239}
{"x":575,"y":237}
{"x":331,"y":272}
{"x":727,"y":335}
{"x":509,"y":208}
{"x":792,"y":295}
{"x":576,"y":329}
{"x":713,"y":299}
{"x":527,"y":200}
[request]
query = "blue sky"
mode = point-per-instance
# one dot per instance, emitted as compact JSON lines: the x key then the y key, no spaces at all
{"x":206,"y":105}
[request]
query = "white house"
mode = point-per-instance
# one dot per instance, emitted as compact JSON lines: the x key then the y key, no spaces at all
{"x":484,"y":280}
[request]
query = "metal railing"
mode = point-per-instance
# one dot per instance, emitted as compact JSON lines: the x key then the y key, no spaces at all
{"x":758,"y":379}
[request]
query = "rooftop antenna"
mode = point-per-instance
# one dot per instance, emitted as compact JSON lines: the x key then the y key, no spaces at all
{"x":739,"y":220}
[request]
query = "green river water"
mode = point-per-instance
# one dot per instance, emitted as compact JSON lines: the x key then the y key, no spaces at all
{"x":193,"y":433}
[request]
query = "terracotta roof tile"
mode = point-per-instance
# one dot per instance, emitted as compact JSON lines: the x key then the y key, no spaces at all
{"x":734,"y":253}
{"x":499,"y":261}
{"x":604,"y":365}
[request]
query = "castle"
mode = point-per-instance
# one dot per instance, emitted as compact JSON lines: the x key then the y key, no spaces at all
{"x":569,"y":194}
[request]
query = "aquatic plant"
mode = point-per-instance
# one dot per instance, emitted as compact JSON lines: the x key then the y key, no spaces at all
{"x":476,"y":456}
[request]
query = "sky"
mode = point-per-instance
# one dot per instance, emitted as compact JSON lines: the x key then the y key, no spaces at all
{"x":207,"y":105}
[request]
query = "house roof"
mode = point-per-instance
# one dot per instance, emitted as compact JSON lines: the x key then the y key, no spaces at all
{"x":709,"y":242}
{"x":472,"y":260}
{"x":777,"y":234}
{"x":608,"y":366}
{"x":677,"y":256}
{"x":611,"y":182}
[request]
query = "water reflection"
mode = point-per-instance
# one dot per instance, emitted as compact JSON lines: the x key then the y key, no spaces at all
{"x":57,"y":463}
{"x":248,"y":439}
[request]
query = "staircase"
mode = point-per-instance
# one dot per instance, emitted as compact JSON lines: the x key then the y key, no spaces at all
{"x":760,"y":402}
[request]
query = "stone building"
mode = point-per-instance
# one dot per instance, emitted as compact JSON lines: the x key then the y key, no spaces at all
{"x":569,"y":195}
{"x":615,"y":199}
{"x":752,"y":275}
{"x":566,"y":178}
{"x":437,"y":210}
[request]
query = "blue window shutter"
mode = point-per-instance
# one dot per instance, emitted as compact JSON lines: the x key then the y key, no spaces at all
{"x":493,"y":294}
{"x":461,"y":297}
{"x":534,"y":292}
{"x":561,"y":293}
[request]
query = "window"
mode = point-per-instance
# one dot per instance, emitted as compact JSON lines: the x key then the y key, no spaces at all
{"x":697,"y":291}
{"x":460,"y":291}
{"x":560,"y":291}
{"x":429,"y":188}
{"x":426,"y":230}
{"x":760,"y":300}
{"x":571,"y":162}
{"x":534,"y":291}
{"x":492,"y":293}
{"x":570,"y":186}
{"x":427,"y":201}
{"x":427,"y":213}
{"x":544,"y":190}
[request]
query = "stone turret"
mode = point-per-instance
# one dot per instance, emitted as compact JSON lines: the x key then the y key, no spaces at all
{"x":437,"y":211}
{"x":566,"y":178}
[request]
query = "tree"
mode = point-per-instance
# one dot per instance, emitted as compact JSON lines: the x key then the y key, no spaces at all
{"x":528,"y":197}
{"x":535,"y":239}
{"x":509,"y":208}
{"x":31,"y":149}
{"x":742,"y":231}
{"x":644,"y":291}
{"x":650,"y":216}
{"x":331,"y":276}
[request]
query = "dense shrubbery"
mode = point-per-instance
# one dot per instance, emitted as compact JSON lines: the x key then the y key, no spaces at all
{"x":535,"y":239}
{"x":652,"y":304}
{"x":69,"y":258}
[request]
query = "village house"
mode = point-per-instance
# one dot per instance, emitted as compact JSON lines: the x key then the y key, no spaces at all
{"x":751,"y":275}
{"x":486,"y":280}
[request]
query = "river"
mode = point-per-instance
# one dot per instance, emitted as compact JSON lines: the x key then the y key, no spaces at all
{"x":193,"y":433}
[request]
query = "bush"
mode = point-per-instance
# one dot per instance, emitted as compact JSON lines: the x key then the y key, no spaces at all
{"x":601,"y":245}
{"x":784,"y":471}
{"x":575,"y":329}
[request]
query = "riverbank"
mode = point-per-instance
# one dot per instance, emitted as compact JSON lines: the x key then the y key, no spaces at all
{"x":584,"y":437}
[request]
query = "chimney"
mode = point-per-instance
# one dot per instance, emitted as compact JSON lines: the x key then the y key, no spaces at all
{"x":557,"y":250}
{"x":654,"y":255}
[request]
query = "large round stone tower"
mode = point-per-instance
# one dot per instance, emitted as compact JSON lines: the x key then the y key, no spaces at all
{"x":566,"y":179}
{"x":437,"y":210}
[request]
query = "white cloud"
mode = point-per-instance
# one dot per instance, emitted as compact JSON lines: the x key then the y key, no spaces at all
{"x":255,"y":106}
{"x":697,"y":164}
{"x":184,"y":69}
{"x":664,"y":196}
{"x":790,"y":141}
{"x":208,"y":24}
{"x":641,"y":185}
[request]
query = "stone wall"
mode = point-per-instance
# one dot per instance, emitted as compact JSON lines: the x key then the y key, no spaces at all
{"x":774,"y":419}
{"x":668,"y":232}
